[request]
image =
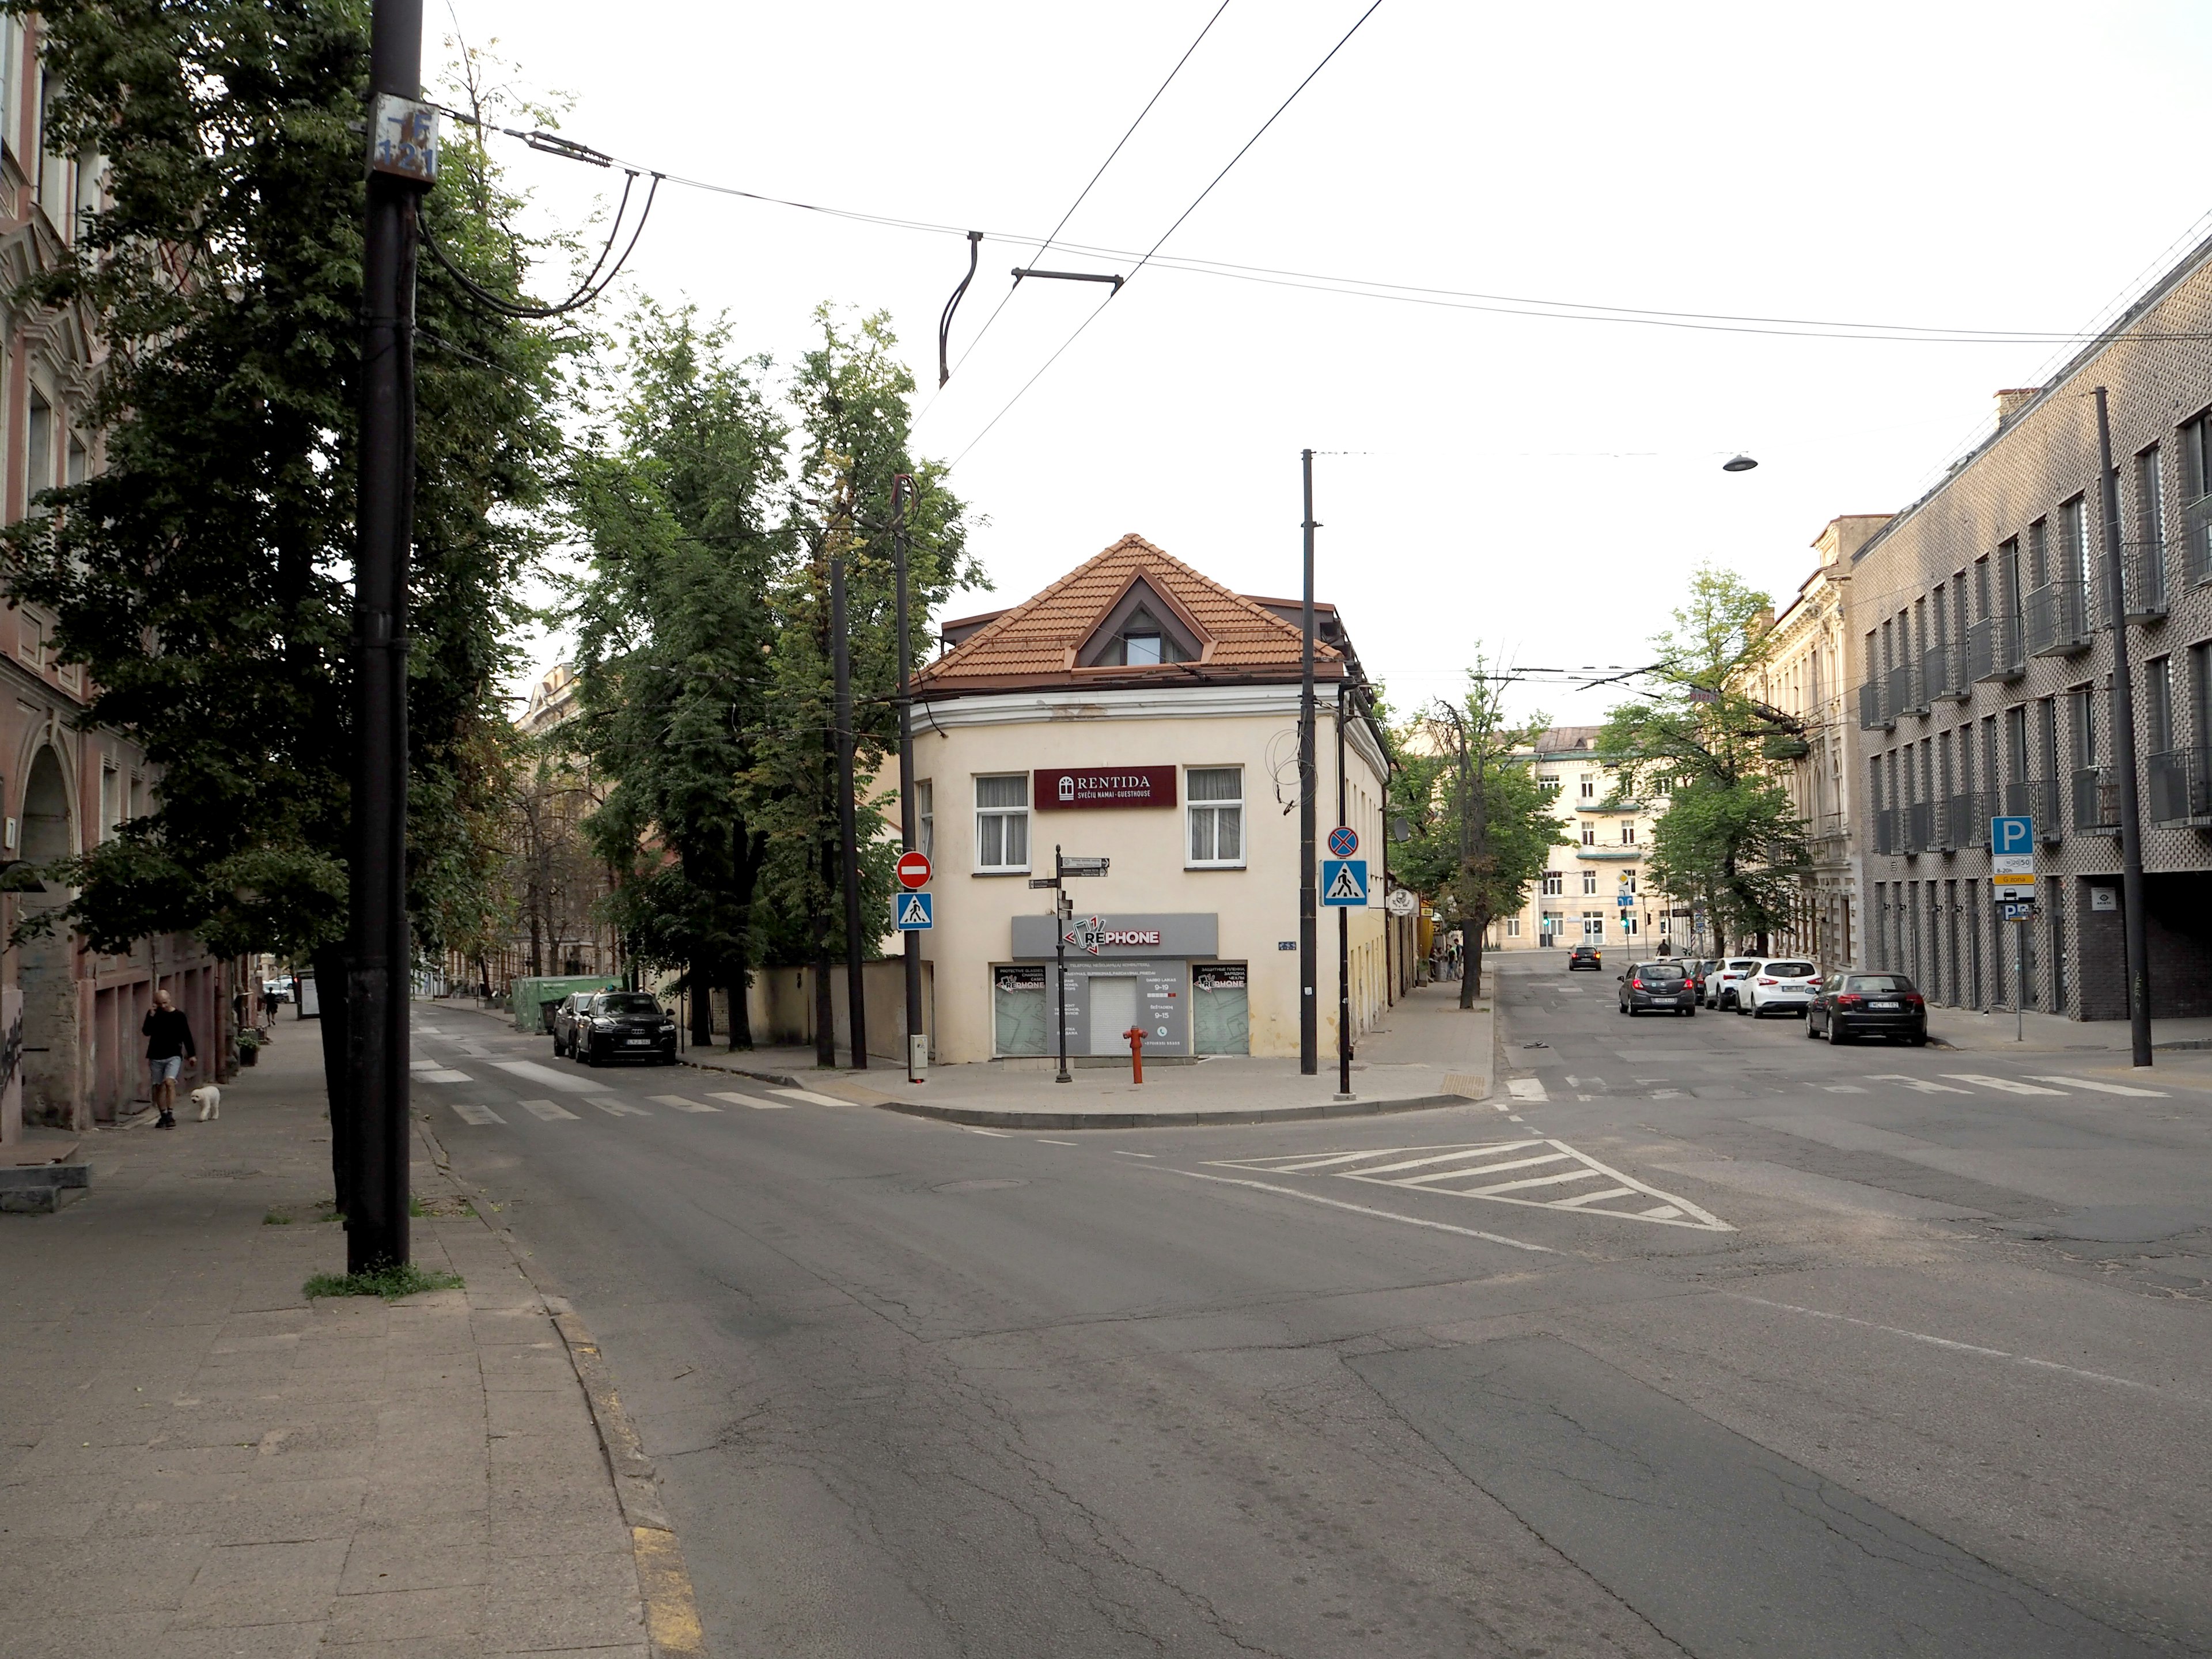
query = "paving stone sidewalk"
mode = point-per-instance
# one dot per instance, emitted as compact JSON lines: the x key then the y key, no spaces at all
{"x":197,"y":1460}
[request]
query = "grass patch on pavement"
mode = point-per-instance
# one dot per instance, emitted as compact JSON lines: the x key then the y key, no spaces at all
{"x":389,"y":1283}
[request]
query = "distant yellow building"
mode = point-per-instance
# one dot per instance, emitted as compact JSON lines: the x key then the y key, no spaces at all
{"x":1592,"y":891}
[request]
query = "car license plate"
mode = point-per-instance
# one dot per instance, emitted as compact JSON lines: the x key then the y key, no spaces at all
{"x":640,"y":1042}
{"x":1884,"y":1007}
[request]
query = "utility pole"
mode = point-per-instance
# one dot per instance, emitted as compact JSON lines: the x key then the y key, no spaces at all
{"x":917,"y":1041}
{"x":1343,"y":930}
{"x":2123,"y":750}
{"x":379,"y":949}
{"x":840,"y":652}
{"x":1309,"y":907}
{"x":1059,"y":915}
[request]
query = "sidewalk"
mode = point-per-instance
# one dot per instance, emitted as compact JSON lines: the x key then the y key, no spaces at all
{"x":1427,"y":1054}
{"x":200,"y":1461}
{"x":1959,"y":1027}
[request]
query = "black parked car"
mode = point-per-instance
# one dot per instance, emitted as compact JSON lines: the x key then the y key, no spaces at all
{"x":611,"y":1025}
{"x":1869,"y":1005}
{"x":1585,"y":956}
{"x":1657,"y":985}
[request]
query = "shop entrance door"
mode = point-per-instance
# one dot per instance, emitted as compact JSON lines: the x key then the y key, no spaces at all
{"x":1113,"y":1010}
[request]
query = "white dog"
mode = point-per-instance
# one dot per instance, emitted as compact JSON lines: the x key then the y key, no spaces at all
{"x":209,"y":1099}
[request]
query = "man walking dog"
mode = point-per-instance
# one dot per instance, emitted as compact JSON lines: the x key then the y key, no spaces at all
{"x":169,"y":1049}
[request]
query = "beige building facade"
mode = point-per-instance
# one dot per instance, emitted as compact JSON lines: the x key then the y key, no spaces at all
{"x":1139,"y":712}
{"x":1592,"y":891}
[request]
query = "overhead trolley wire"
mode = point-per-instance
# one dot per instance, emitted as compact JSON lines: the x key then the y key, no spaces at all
{"x":1169,"y":232}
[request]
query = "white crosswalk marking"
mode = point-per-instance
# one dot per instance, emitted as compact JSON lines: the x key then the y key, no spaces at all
{"x":810,"y":1098}
{"x":2106,"y":1088}
{"x":477,"y":1115}
{"x":1526,"y":1088}
{"x":568,"y":1082}
{"x":443,"y":1075}
{"x":758,"y":1105}
{"x":546,"y":1109}
{"x":2010,"y":1086}
{"x":681,"y":1104}
{"x":614,"y":1108}
{"x":425,"y":1065}
{"x":1923,"y":1085}
{"x":1471,"y":1171}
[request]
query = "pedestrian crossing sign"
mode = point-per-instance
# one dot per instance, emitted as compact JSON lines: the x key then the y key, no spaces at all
{"x":1344,"y":882}
{"x":912,"y":912}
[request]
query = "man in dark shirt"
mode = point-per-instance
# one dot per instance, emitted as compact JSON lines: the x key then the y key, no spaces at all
{"x":169,"y":1049}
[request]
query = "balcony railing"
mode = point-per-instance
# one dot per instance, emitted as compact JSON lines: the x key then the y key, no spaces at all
{"x":1875,"y":714}
{"x":1919,"y":827}
{"x":1901,"y":696}
{"x":1993,"y":649}
{"x":2058,"y":618}
{"x":2145,"y":568}
{"x":1885,"y":830}
{"x":2036,"y":799}
{"x":2181,"y":786}
{"x":2096,"y":799}
{"x":1965,"y":821}
{"x":2197,"y":543}
{"x":1939,"y":673}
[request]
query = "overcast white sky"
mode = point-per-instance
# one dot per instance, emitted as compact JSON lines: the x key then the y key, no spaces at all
{"x":1537,"y":487}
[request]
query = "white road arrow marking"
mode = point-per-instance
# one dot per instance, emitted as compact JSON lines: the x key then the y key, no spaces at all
{"x":2106,"y":1088}
{"x":2010,"y":1085}
{"x":1922,"y":1083}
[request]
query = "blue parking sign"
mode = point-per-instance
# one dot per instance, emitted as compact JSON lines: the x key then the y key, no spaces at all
{"x":2014,"y":835}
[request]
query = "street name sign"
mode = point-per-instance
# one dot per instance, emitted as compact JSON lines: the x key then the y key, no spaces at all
{"x":1088,"y":866}
{"x":1344,"y":882}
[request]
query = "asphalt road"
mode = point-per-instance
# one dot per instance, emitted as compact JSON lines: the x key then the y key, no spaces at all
{"x":1706,"y":1339}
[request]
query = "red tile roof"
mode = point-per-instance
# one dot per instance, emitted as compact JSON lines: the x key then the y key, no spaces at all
{"x":1036,"y":643}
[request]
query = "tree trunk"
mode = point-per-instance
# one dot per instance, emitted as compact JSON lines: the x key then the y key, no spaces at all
{"x":701,"y":979}
{"x":1470,"y":979}
{"x":739,"y":978}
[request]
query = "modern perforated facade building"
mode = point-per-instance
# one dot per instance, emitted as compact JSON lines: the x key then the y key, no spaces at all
{"x":1984,"y":642}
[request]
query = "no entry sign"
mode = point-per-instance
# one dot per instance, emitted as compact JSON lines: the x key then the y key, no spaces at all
{"x":913,"y":870}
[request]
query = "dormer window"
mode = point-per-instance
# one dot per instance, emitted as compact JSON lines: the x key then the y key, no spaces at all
{"x":1140,"y":649}
{"x":1143,"y":628}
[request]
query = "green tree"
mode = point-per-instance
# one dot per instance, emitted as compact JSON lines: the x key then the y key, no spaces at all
{"x":853,"y":397}
{"x":1482,"y":827}
{"x":1730,"y":838}
{"x":202,"y":577}
{"x":675,"y":648}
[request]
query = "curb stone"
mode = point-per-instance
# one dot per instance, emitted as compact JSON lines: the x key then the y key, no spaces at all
{"x":671,"y":1610}
{"x":983,"y":1117}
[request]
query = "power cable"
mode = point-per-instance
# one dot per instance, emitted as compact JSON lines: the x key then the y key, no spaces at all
{"x":1051,"y":240}
{"x":1170,"y":231}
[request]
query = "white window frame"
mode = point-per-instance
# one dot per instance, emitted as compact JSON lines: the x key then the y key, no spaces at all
{"x":1214,"y":810}
{"x":1021,"y":812}
{"x":925,"y":817}
{"x":1589,"y":785}
{"x":1513,"y":927}
{"x":1590,"y":883}
{"x":1554,"y":885}
{"x":1589,"y":833}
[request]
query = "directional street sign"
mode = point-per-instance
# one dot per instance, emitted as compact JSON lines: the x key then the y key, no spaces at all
{"x":2012,"y":835}
{"x":912,"y":912}
{"x":1343,"y":842}
{"x":913,"y":870}
{"x":1627,"y":901}
{"x":1344,"y":882}
{"x":1084,"y":866}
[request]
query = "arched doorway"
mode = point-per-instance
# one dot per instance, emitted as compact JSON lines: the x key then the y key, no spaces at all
{"x":50,"y":1011}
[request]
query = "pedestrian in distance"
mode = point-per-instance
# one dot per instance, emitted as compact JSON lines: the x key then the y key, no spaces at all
{"x":169,"y":1051}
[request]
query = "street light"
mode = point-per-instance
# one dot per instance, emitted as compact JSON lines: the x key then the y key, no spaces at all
{"x":1738,"y":464}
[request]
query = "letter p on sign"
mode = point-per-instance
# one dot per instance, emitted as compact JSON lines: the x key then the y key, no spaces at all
{"x":2015,"y":835}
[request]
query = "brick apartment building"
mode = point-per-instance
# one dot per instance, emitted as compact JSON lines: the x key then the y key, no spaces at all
{"x":1984,"y":642}
{"x":63,"y":788}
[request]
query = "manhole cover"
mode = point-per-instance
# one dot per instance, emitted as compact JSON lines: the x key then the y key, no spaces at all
{"x":978,"y":1185}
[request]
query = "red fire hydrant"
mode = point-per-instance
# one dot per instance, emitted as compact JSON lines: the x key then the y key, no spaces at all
{"x":1136,"y":1035}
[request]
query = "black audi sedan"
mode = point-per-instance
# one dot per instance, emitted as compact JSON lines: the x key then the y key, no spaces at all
{"x":1585,"y":955}
{"x":1852,"y":1005}
{"x":1657,"y":985}
{"x":623,"y":1025}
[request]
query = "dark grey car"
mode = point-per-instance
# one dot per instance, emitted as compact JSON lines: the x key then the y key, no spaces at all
{"x":1657,"y":985}
{"x":623,"y":1025}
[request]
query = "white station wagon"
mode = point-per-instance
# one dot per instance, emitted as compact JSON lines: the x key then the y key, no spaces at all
{"x":1782,"y":986}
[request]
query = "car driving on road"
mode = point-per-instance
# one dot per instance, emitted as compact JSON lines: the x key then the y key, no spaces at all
{"x":1585,"y":956}
{"x":1780,"y":985}
{"x":1722,"y":984}
{"x":1657,"y":985}
{"x":1869,"y":1005}
{"x":612,"y":1025}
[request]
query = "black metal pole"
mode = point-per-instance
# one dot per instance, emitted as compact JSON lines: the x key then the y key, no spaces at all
{"x":377,"y":978}
{"x":840,"y":654}
{"x":910,"y":941}
{"x":1309,"y":919}
{"x":2123,"y":750}
{"x":1343,"y":927}
{"x":1059,"y":957}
